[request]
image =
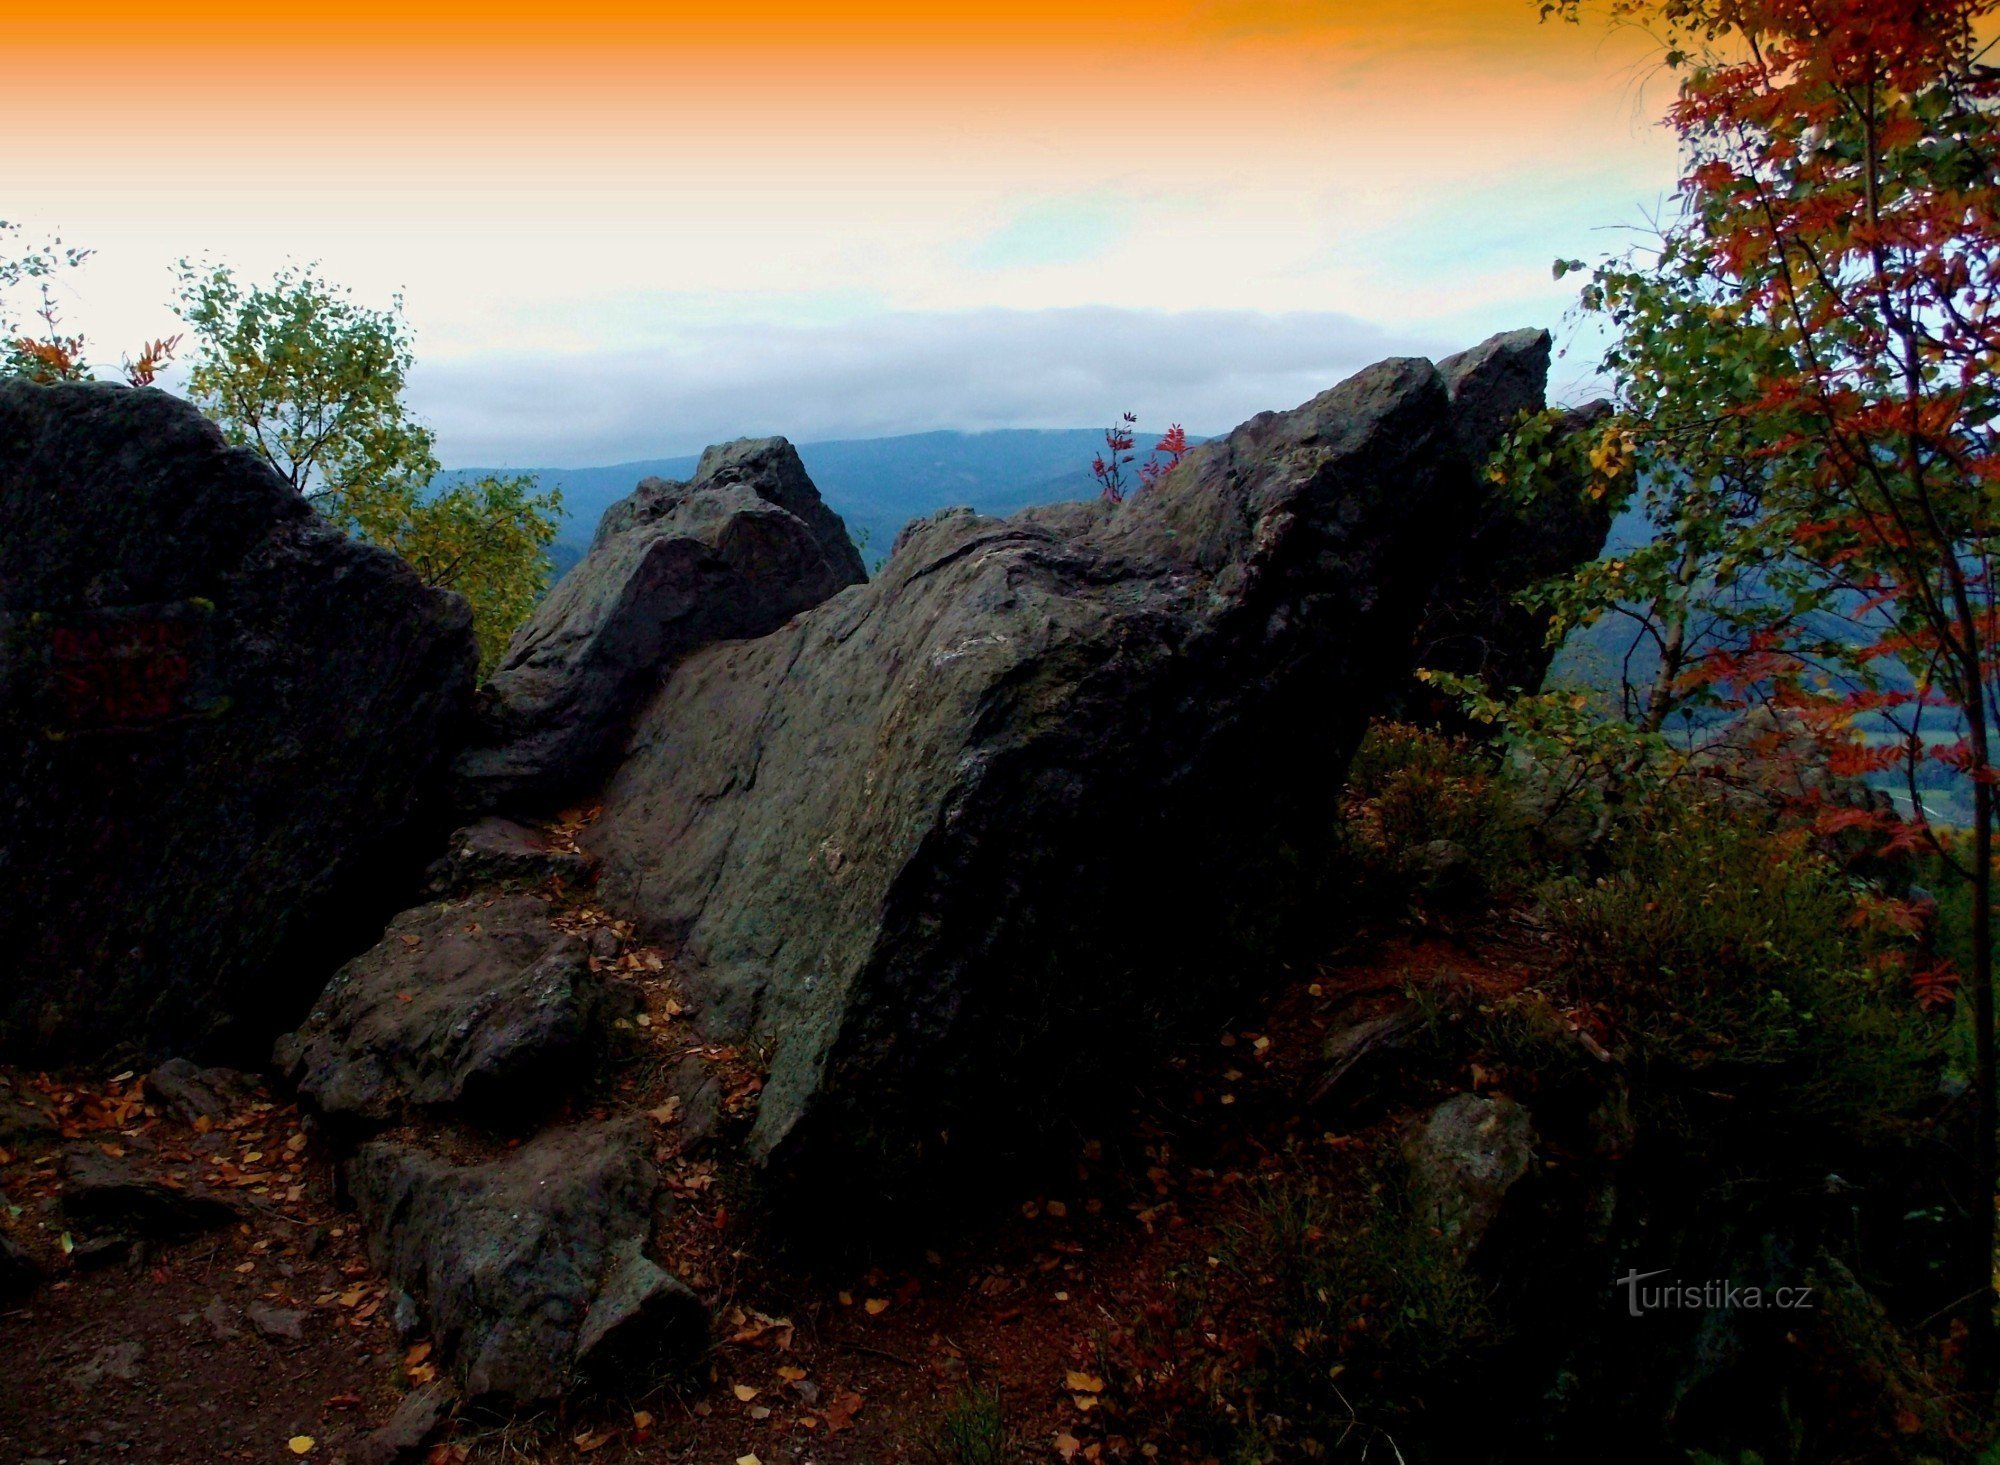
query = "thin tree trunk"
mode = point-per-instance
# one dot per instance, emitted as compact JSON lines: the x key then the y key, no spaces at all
{"x":1673,"y":650}
{"x":1985,"y":1364}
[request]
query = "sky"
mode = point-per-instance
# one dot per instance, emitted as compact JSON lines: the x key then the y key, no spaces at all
{"x":624,"y":230}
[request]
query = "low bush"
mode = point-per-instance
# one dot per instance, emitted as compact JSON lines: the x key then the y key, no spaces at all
{"x":1737,"y":955}
{"x":1434,"y":818}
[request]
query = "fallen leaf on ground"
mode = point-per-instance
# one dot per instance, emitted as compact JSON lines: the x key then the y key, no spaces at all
{"x":876,"y":1306}
{"x":840,"y":1411}
{"x":1087,"y":1383}
{"x":745,"y":1392}
{"x":301,"y":1444}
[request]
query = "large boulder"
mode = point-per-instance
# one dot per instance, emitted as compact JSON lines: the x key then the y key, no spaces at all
{"x":971,"y":833}
{"x":222,"y":724}
{"x":480,"y":1005}
{"x":734,"y":552}
{"x":530,"y":1268}
{"x":1476,"y":625}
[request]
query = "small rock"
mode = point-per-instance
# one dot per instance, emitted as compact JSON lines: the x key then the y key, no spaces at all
{"x":404,"y":1316}
{"x":494,"y":850}
{"x":113,"y":1361}
{"x":529,"y":1267}
{"x":416,"y":1419}
{"x":278,"y":1324}
{"x":20,"y":1273}
{"x":95,"y":1253}
{"x":221,"y":1320}
{"x":481,"y":1006}
{"x":193,"y":1092}
{"x":1464,"y":1156}
{"x":22,"y":1117}
{"x":700,"y":1094}
{"x":112,"y":1196}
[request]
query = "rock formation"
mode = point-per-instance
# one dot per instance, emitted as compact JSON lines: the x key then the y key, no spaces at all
{"x":1475,"y":624}
{"x":732,"y":553}
{"x":221,"y":721}
{"x":529,"y":1267}
{"x":477,"y":1005}
{"x":967,"y":834}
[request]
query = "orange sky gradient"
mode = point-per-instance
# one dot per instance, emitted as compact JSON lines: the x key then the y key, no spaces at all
{"x":568,"y":177}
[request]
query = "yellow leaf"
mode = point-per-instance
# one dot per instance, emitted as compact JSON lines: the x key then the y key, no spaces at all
{"x":748,"y":1460}
{"x":790,"y":1374}
{"x":744,"y":1392}
{"x":1087,"y":1383}
{"x":301,"y":1444}
{"x":1066,"y":1446}
{"x":589,"y":1440}
{"x":876,"y":1306}
{"x":641,"y":1420}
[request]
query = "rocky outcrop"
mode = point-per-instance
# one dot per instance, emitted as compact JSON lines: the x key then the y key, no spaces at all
{"x":734,"y":552}
{"x":531,"y":1268}
{"x":1475,"y":625}
{"x":221,"y":723}
{"x":478,"y":1005}
{"x":965,"y":835}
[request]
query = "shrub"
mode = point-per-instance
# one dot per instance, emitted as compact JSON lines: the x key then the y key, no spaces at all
{"x":1434,"y":815}
{"x":1738,"y":954}
{"x":1358,"y":1287}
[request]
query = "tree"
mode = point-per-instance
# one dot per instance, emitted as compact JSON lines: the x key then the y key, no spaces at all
{"x":313,"y":381}
{"x":1807,"y":362}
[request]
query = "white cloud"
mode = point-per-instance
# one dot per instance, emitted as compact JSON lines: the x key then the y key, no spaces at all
{"x":892,"y":373}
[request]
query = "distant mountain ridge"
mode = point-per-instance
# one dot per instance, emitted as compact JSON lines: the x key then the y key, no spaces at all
{"x":877,"y":485}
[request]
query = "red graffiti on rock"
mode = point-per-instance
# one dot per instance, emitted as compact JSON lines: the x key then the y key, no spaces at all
{"x":127,"y":673}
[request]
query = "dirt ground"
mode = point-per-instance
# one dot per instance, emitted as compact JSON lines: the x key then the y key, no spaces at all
{"x":1043,"y":1305}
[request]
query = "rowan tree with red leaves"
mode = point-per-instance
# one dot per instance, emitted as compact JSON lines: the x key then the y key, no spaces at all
{"x":1807,"y":364}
